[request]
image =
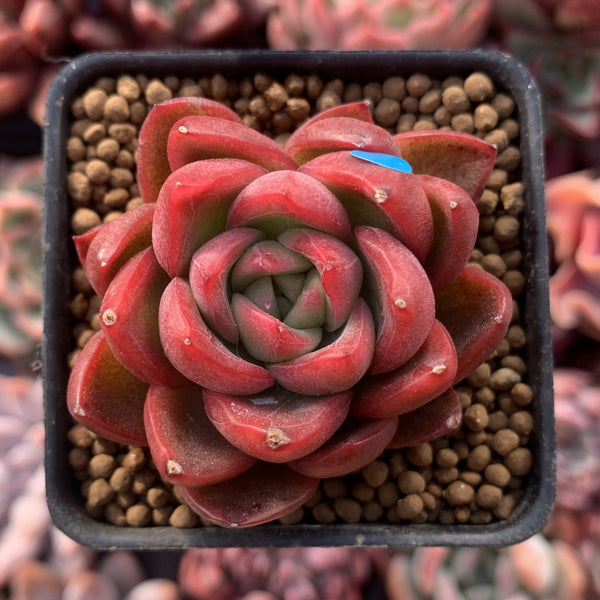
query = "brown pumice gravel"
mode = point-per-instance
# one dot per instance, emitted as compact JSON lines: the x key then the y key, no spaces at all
{"x":473,"y":476}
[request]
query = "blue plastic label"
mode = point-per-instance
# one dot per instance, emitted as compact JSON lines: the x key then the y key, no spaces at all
{"x":388,"y":161}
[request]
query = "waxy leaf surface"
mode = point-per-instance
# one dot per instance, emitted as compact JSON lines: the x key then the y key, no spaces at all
{"x":431,"y":421}
{"x":129,"y":319}
{"x":335,"y":367}
{"x":401,"y":295}
{"x":356,"y":443}
{"x":461,"y":158}
{"x":476,"y":309}
{"x":192,"y":208}
{"x":209,"y":278}
{"x":152,"y":161}
{"x":379,"y":197}
{"x":195,"y":350}
{"x":265,"y":492}
{"x":424,"y":377}
{"x":198,"y":138}
{"x":185,"y":446}
{"x":277,"y":426}
{"x":105,"y":397}
{"x":284,"y":199}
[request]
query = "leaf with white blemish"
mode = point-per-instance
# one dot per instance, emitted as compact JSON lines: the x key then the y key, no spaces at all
{"x":185,"y":446}
{"x":401,"y":297}
{"x":276,"y":425}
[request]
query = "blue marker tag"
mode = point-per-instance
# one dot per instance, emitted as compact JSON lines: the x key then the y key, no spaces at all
{"x":385,"y":160}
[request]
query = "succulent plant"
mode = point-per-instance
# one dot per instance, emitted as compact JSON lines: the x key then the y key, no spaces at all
{"x":576,"y":518}
{"x":266,"y":573}
{"x":383,"y":24}
{"x":35,"y":35}
{"x":20,"y":256}
{"x":573,"y":202}
{"x":269,"y":311}
{"x":535,"y":568}
{"x":559,"y":43}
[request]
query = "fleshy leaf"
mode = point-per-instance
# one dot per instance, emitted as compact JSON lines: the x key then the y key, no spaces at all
{"x":352,"y":110}
{"x":283,"y":199}
{"x":338,"y":133}
{"x":105,"y":397}
{"x":264,"y":493}
{"x":262,"y":293}
{"x":82,"y":242}
{"x":310,"y":306}
{"x":192,"y":208}
{"x":185,"y":446}
{"x":152,"y":162}
{"x":339,"y":269}
{"x":209,"y":278}
{"x":455,"y":223}
{"x":431,"y":421}
{"x":356,"y":443}
{"x":115,"y":243}
{"x":379,"y":197}
{"x":476,"y":309}
{"x":424,"y":377}
{"x":266,"y":338}
{"x":277,"y":426}
{"x":198,"y":353}
{"x":198,"y":138}
{"x":267,"y":257}
{"x":335,"y":367}
{"x":402,"y":296}
{"x":129,"y":319}
{"x":459,"y":157}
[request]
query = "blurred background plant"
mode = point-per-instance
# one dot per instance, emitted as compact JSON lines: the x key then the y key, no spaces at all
{"x":559,"y":41}
{"x":21,"y":183}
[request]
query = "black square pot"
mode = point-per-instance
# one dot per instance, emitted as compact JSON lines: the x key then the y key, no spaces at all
{"x":64,"y":497}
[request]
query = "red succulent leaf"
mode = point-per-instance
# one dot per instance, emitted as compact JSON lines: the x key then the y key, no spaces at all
{"x":268,"y":257}
{"x":335,"y":367}
{"x":310,"y":305}
{"x":339,"y":269}
{"x":277,"y":426}
{"x":129,"y":319}
{"x":277,"y":201}
{"x":105,"y":397}
{"x":83,"y":242}
{"x":266,"y":338}
{"x":431,"y":421}
{"x":338,"y":133}
{"x":262,"y":293}
{"x":198,"y":138}
{"x":377,"y":196}
{"x":209,"y":278}
{"x":192,"y":208}
{"x":424,"y":377}
{"x":195,"y":350}
{"x":352,"y":110}
{"x":461,"y":158}
{"x":355,"y":444}
{"x":114,"y":243}
{"x":402,"y":296}
{"x":476,"y":309}
{"x":455,"y":224}
{"x":265,"y":492}
{"x":152,"y":162}
{"x":185,"y":446}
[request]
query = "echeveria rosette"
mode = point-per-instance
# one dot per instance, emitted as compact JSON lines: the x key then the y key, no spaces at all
{"x":275,"y":315}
